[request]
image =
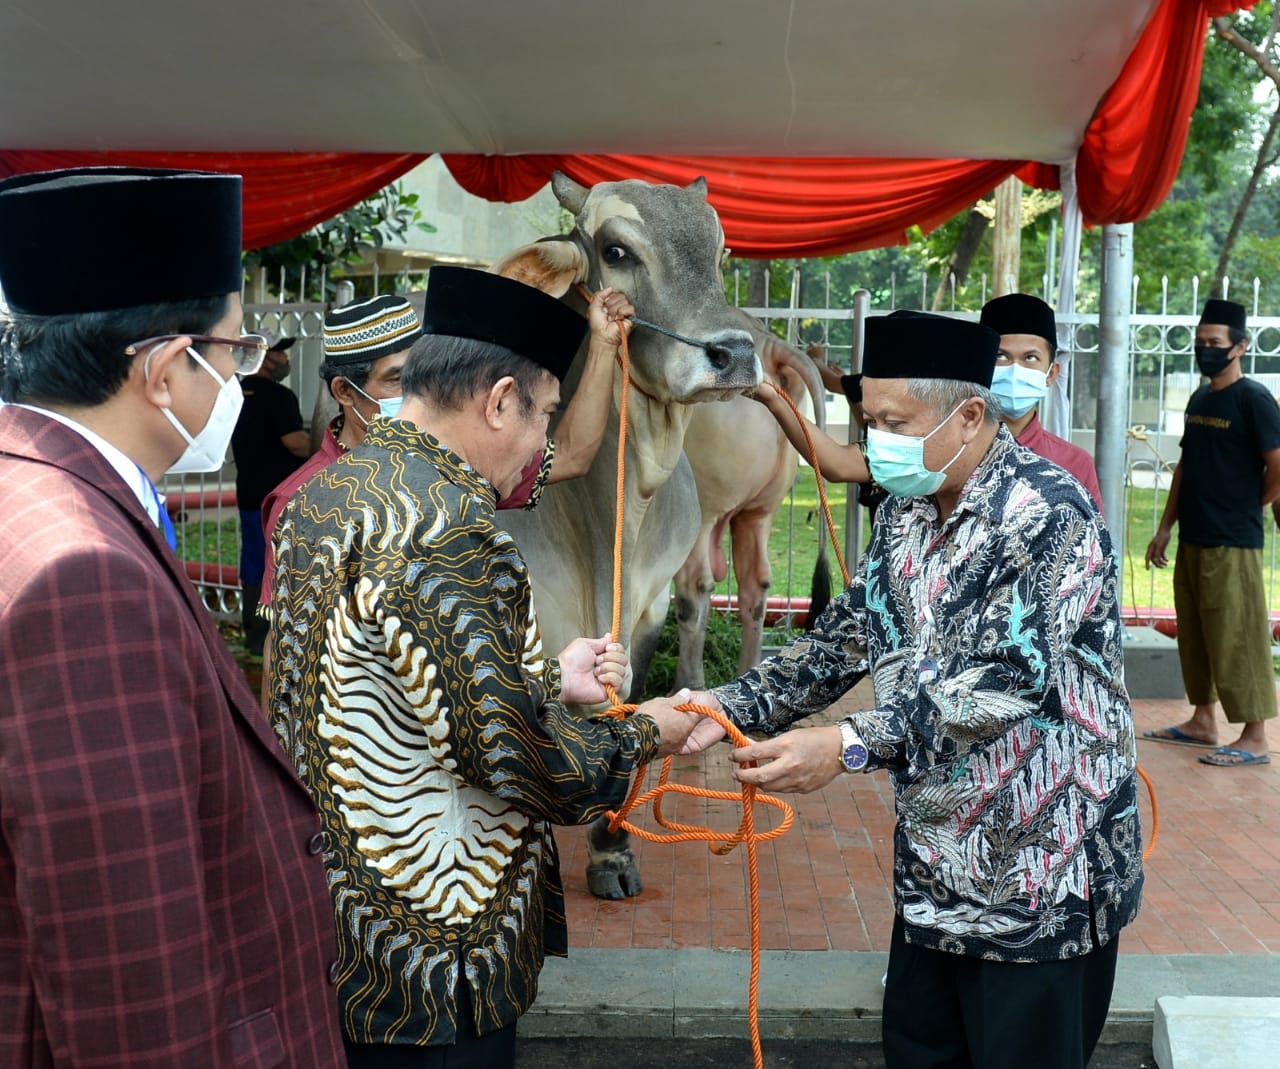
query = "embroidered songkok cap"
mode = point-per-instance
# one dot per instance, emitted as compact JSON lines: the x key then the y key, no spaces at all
{"x":919,"y":345}
{"x":466,"y":303}
{"x":95,"y":239}
{"x":365,"y":331}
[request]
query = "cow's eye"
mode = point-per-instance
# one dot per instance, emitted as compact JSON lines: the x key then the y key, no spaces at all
{"x":614,"y":255}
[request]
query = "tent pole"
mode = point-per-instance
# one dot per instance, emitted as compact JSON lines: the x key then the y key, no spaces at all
{"x":853,"y":510}
{"x":1113,"y":378}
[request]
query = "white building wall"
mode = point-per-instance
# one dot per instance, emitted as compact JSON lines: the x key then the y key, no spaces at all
{"x":468,"y":226}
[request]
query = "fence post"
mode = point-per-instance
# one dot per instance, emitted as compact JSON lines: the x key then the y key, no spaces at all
{"x":1113,"y":379}
{"x":852,"y":510}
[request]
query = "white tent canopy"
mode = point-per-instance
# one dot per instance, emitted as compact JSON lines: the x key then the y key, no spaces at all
{"x":995,"y":79}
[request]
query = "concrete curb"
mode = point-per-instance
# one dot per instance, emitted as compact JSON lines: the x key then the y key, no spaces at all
{"x":702,"y":994}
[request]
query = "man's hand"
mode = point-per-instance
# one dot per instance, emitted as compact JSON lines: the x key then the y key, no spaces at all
{"x":830,"y":375}
{"x":801,"y":761}
{"x":674,"y":727}
{"x":706,"y":732}
{"x":1158,"y":548}
{"x":587,"y":666}
{"x":609,"y":316}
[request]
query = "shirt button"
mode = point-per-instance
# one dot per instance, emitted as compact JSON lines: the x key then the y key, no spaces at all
{"x":316,"y":843}
{"x":333,"y":972}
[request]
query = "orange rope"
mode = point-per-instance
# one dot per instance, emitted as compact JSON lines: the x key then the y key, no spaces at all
{"x":720,"y":843}
{"x":835,"y":542}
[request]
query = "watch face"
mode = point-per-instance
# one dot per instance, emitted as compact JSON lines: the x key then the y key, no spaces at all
{"x":855,"y":756}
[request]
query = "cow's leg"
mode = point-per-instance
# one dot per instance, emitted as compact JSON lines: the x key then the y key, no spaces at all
{"x":694,"y":584}
{"x":644,"y":642}
{"x":612,"y":871}
{"x":750,"y":533}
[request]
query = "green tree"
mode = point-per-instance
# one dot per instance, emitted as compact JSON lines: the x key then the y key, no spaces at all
{"x":341,"y":242}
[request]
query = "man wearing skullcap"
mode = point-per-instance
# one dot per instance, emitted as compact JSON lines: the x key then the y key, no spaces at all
{"x":162,"y":898}
{"x":268,"y":444}
{"x":1026,"y":368}
{"x":410,"y":685}
{"x":985,"y":613}
{"x":1228,"y":473}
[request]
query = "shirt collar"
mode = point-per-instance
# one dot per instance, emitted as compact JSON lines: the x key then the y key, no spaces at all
{"x":402,"y":436}
{"x":1032,"y":432}
{"x":133,"y":476}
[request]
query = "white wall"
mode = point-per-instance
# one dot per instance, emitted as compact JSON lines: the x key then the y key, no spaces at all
{"x":470,"y":226}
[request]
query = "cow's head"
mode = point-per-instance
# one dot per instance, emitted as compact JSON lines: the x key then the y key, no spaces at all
{"x":663,"y":247}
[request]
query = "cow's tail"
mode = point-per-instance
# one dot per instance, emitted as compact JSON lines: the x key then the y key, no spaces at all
{"x":820,"y":588}
{"x":802,"y":365}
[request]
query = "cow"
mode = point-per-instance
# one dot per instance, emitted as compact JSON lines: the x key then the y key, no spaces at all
{"x":663,"y":246}
{"x":743,"y":489}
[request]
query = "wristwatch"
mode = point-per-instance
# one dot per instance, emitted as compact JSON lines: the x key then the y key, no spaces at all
{"x":853,"y":751}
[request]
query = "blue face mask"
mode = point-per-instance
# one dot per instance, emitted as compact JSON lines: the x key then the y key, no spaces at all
{"x":388,"y":407}
{"x":897,"y":461}
{"x":1018,"y":389}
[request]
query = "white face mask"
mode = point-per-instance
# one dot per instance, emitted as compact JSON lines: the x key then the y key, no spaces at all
{"x":207,"y":451}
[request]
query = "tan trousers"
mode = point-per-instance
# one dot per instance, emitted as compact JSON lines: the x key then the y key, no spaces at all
{"x":1224,"y":630}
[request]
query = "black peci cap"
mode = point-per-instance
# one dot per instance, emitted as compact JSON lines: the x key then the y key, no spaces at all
{"x":1020,"y":313}
{"x":919,"y":345}
{"x":95,"y":239}
{"x":1222,"y":313}
{"x":464,"y":302}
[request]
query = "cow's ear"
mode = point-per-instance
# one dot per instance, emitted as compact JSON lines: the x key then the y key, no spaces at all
{"x":698,"y":185}
{"x":552,"y":265}
{"x":570,"y":195}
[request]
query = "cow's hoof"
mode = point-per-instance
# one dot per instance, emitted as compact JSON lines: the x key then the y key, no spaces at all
{"x":614,"y":877}
{"x":611,"y":866}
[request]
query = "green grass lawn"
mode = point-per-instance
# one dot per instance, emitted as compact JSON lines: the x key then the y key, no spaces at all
{"x":793,"y":545}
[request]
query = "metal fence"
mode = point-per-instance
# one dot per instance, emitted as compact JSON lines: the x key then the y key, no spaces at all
{"x":1163,"y":375}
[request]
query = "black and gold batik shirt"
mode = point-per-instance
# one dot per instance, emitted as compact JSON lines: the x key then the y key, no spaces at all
{"x":409,"y":687}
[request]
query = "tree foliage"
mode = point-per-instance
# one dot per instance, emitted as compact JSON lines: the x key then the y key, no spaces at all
{"x":391,"y":214}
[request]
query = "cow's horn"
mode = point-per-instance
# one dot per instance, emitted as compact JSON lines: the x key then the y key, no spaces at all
{"x":698,"y":185}
{"x":570,"y":195}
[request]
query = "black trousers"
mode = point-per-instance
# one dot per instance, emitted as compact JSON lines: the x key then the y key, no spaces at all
{"x":497,"y":1050}
{"x":945,"y":1011}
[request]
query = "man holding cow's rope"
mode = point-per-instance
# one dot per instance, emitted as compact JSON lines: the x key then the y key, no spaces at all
{"x":986,"y":614}
{"x":410,"y":688}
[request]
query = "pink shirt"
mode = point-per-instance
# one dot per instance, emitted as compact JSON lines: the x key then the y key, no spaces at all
{"x":1064,"y":454}
{"x":273,"y":504}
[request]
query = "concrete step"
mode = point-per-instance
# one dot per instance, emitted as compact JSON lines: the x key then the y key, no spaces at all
{"x":1213,"y":1032}
{"x":829,"y":994}
{"x":1151,"y":665}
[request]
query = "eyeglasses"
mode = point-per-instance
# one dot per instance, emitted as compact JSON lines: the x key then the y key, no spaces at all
{"x":248,"y":351}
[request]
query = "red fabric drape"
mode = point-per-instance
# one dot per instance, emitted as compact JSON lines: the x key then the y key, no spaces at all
{"x":775,"y":207}
{"x":284,"y":193}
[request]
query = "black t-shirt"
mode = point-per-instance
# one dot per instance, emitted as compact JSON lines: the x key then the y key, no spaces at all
{"x":1226,"y":433}
{"x":270,"y":412}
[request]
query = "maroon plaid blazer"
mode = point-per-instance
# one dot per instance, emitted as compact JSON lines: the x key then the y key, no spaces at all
{"x":162,"y":901}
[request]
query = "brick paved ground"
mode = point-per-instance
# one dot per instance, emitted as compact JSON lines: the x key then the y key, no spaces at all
{"x":1213,"y":883}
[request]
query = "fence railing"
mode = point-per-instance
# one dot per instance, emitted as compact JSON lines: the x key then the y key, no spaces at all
{"x":1163,"y":375}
